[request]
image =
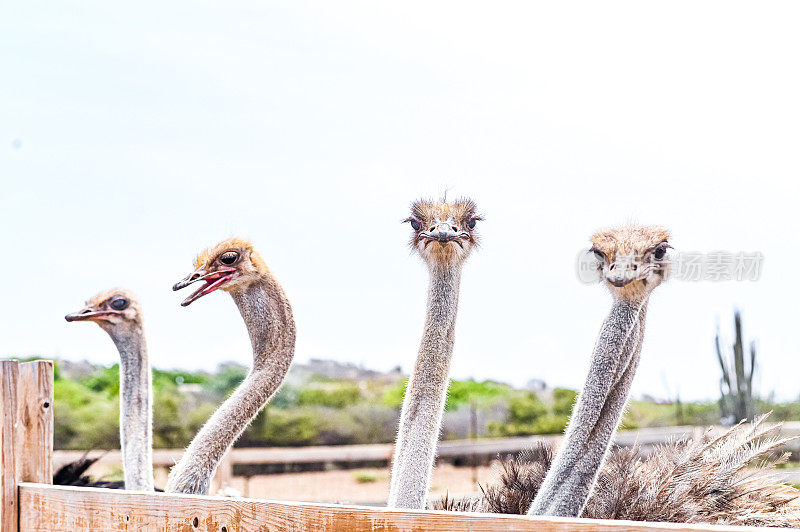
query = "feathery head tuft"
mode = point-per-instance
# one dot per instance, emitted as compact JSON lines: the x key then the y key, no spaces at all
{"x":627,"y":239}
{"x":207,"y":257}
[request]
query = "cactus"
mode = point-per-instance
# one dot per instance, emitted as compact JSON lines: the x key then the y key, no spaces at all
{"x":736,"y":385}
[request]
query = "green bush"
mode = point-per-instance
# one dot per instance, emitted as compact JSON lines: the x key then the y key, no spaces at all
{"x":172,"y":428}
{"x":648,"y":414}
{"x":525,"y":409}
{"x":226,"y":380}
{"x":459,"y":393}
{"x":171,"y":378}
{"x":361,"y":423}
{"x":289,"y":427}
{"x":527,"y":415}
{"x":550,"y":424}
{"x":285,"y":398}
{"x":781,"y":411}
{"x":330,"y":396}
{"x":106,"y":381}
{"x":563,"y":401}
{"x":84,"y":419}
{"x":546,"y":424}
{"x":393,"y":396}
{"x":323,"y":410}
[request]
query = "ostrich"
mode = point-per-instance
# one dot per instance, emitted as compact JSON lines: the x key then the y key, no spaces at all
{"x":699,"y":480}
{"x":119,"y":314}
{"x":707,"y":479}
{"x":234,"y":266}
{"x":443,"y":235}
{"x":633,"y":262}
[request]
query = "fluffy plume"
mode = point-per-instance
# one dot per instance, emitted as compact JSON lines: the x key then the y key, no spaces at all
{"x":700,"y":480}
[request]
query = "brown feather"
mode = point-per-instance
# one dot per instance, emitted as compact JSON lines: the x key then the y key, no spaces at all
{"x":697,"y":480}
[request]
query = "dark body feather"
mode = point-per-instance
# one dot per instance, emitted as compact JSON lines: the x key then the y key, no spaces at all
{"x":698,"y":480}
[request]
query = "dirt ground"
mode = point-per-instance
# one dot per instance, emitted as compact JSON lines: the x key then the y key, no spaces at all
{"x":357,"y":486}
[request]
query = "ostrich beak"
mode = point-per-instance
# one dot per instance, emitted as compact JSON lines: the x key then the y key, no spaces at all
{"x":213,"y":280}
{"x":442,"y":233}
{"x":89,"y":314}
{"x":625,"y":270}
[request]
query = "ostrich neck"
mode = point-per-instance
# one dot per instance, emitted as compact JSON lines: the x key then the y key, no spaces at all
{"x":136,"y":409}
{"x":268,"y":316}
{"x":597,"y":413}
{"x":425,"y":396}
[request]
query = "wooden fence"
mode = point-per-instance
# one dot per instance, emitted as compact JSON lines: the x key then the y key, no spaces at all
{"x":382,"y":452}
{"x":28,"y":501}
{"x":355,"y":455}
{"x":345,"y":456}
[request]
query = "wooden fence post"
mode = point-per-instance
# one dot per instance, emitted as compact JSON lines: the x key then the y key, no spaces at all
{"x":26,"y":434}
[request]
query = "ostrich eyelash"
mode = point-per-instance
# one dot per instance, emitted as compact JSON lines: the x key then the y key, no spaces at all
{"x":597,"y":252}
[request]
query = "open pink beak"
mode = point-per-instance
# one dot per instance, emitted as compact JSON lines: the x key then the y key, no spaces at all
{"x":213,"y":280}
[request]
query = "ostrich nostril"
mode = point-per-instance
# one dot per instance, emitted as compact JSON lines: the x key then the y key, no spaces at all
{"x":635,"y":267}
{"x":86,"y":311}
{"x":455,"y":229}
{"x":432,"y":229}
{"x":612,"y":266}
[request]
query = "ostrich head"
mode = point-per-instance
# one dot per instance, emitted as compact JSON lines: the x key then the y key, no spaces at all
{"x":230,"y":265}
{"x":113,"y":310}
{"x":443,"y":233}
{"x":632,"y":259}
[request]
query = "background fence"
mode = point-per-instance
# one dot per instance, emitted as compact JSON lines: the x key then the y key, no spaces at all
{"x":29,"y":502}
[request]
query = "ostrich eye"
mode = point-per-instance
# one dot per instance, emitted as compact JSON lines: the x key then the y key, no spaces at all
{"x":415,"y":225}
{"x":471,"y":223}
{"x":229,"y":257}
{"x":660,"y":251}
{"x":119,"y":303}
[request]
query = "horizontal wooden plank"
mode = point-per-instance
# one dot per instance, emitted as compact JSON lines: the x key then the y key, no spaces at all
{"x":379,"y":451}
{"x":313,"y":454}
{"x":46,"y":508}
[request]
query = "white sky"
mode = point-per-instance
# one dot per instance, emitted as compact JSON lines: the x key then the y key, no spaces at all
{"x":132,"y":136}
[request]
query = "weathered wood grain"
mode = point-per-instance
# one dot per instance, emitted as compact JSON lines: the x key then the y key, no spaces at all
{"x":35,"y":415}
{"x":9,"y":376}
{"x":26,"y":433}
{"x":46,"y":508}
